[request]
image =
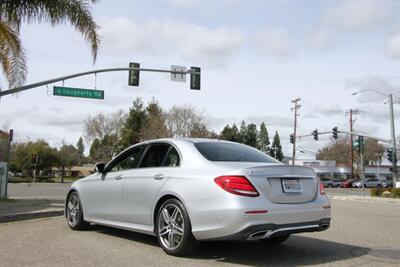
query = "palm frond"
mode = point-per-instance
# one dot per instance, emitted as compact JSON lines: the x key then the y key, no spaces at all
{"x":76,"y":12}
{"x":12,"y":56}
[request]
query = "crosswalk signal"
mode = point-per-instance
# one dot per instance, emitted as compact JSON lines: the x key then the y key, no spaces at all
{"x":195,"y":78}
{"x":133,"y":74}
{"x":335,"y":132}
{"x":315,"y":134}
{"x":292,"y":138}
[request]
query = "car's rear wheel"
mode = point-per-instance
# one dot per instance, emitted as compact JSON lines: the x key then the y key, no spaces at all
{"x":274,"y":240}
{"x":74,"y":213}
{"x":173,"y":229}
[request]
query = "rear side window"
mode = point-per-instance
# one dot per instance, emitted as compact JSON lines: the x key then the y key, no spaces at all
{"x":155,"y":155}
{"x":221,"y":151}
{"x":172,"y":159}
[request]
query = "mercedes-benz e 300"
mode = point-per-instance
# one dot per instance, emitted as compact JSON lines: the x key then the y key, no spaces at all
{"x":187,"y":190}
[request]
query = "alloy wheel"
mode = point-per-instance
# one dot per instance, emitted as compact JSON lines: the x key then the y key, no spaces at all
{"x":73,"y":210}
{"x":171,"y":226}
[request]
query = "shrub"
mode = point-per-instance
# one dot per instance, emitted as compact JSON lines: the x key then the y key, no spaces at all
{"x":395,"y":192}
{"x":378,"y":192}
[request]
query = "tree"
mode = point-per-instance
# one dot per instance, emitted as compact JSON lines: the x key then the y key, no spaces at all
{"x":131,"y":131}
{"x":14,"y":12}
{"x":276,"y":149}
{"x":230,"y":133}
{"x":180,"y":121}
{"x":80,"y":147}
{"x":250,"y":138}
{"x":68,"y":156}
{"x":21,"y":157}
{"x":155,"y":122}
{"x":95,"y":153}
{"x":242,"y":132}
{"x":106,"y":129}
{"x":263,"y":139}
{"x":339,"y":151}
{"x":199,"y":130}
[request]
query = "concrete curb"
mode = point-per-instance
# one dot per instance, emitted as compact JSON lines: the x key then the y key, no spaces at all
{"x":30,"y":215}
{"x":366,"y":199}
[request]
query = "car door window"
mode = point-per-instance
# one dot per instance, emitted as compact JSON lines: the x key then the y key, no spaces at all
{"x":154,"y":156}
{"x":127,"y":161}
{"x":172,"y":159}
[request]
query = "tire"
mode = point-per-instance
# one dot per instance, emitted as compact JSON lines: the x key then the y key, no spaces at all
{"x":274,"y":240}
{"x":329,"y":185}
{"x":172,"y":216}
{"x":379,"y":186}
{"x":74,"y":213}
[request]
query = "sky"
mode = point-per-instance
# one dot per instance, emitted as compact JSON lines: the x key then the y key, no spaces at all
{"x":255,"y":58}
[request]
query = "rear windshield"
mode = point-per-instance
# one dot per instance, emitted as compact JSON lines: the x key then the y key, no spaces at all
{"x":221,"y":151}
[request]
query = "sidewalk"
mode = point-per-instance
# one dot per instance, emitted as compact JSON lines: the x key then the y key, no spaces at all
{"x":366,"y":198}
{"x":16,"y":209}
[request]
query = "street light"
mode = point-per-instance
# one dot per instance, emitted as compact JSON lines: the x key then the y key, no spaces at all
{"x":390,"y":96}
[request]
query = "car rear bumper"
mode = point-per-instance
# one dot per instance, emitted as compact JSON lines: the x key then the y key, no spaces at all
{"x":270,"y":230}
{"x":226,"y":219}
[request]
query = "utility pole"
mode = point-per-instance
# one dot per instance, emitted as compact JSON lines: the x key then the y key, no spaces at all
{"x":361,"y":149}
{"x":295,"y":108}
{"x":351,"y":121}
{"x":393,"y":135}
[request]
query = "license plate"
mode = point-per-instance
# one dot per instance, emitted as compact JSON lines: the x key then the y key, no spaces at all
{"x":291,"y":186}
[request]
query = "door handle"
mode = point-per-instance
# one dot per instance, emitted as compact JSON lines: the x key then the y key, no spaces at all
{"x":119,"y":177}
{"x":159,"y":176}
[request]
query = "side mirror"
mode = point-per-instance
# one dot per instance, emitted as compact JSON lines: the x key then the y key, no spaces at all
{"x":100,"y":167}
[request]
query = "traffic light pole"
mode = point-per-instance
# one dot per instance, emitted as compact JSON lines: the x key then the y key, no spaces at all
{"x":38,"y":84}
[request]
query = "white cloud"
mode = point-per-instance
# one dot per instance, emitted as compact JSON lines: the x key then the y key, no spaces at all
{"x":359,"y":15}
{"x":275,"y":42}
{"x":350,"y":16}
{"x":192,"y":42}
{"x":393,"y":45}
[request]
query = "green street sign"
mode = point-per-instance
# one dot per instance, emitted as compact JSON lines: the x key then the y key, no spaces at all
{"x":78,"y":92}
{"x":356,"y":143}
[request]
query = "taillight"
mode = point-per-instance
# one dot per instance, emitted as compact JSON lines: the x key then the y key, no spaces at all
{"x":321,"y":188}
{"x":238,"y":185}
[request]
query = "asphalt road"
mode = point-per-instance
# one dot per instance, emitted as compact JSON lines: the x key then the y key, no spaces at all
{"x":362,"y":233}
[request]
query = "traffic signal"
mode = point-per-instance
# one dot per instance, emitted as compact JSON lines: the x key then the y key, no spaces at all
{"x":34,"y":158}
{"x":335,"y":133}
{"x":195,"y":78}
{"x":133,"y":74}
{"x":292,"y":138}
{"x":315,"y":134}
{"x":390,"y":155}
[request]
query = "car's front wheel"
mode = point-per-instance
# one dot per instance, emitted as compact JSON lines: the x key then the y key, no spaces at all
{"x":173,"y":229}
{"x":74,"y":213}
{"x":274,"y":240}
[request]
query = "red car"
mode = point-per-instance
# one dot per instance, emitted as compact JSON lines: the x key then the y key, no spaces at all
{"x":348,"y":183}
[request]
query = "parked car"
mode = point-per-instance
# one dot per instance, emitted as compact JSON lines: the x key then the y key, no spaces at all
{"x":189,"y":190}
{"x":328,"y":182}
{"x":370,"y":182}
{"x":348,"y":183}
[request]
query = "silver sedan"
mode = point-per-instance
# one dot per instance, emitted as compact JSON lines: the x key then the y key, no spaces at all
{"x":188,"y":190}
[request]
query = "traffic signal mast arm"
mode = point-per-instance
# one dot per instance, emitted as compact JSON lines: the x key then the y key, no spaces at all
{"x":38,"y":84}
{"x":349,"y":133}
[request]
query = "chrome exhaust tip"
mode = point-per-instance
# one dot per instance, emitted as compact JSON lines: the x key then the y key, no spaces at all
{"x":259,"y":235}
{"x":324,"y":227}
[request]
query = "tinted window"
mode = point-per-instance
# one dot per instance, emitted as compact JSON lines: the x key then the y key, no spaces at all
{"x":221,"y":151}
{"x":155,"y":155}
{"x":172,"y":159}
{"x":128,"y":160}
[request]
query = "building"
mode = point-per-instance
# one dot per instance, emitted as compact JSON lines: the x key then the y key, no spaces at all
{"x":74,"y":171}
{"x":329,"y":169}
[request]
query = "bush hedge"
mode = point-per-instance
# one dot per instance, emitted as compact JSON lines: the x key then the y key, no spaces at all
{"x":378,"y":192}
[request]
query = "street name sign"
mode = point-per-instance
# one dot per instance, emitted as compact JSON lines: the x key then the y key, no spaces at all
{"x":78,"y":92}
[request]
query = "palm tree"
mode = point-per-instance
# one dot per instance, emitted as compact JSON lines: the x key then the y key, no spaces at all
{"x":15,"y":12}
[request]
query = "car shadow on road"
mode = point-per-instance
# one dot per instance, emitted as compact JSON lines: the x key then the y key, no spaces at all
{"x":297,"y":250}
